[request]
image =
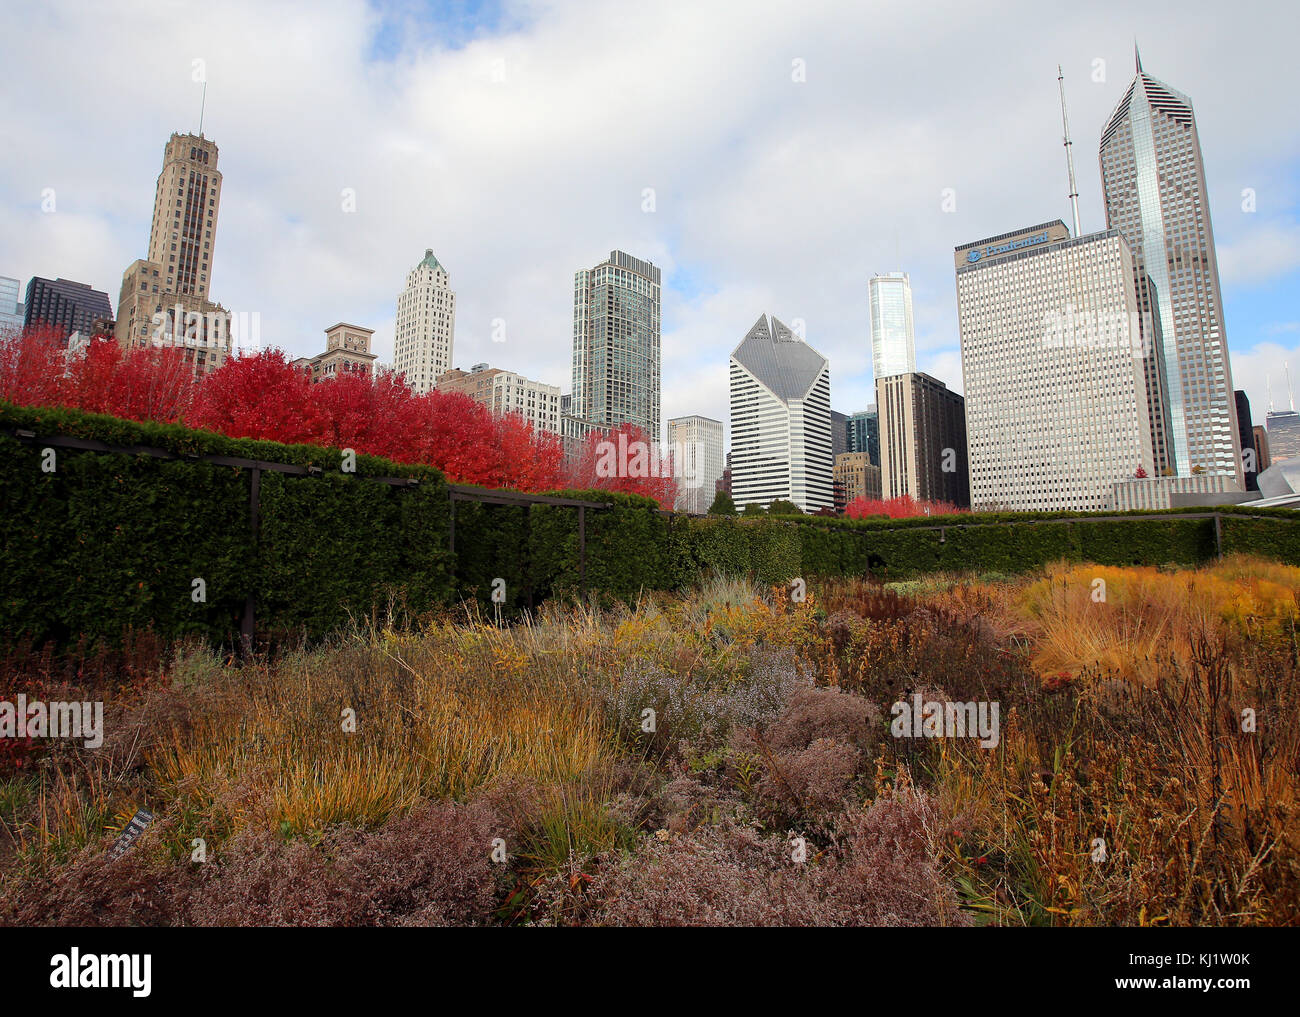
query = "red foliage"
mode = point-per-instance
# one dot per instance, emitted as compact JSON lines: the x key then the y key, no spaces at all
{"x":899,"y":508}
{"x":625,"y":460}
{"x":32,"y":363}
{"x":139,"y":384}
{"x":261,"y":396}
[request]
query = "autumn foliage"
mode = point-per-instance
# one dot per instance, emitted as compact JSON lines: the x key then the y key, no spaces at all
{"x":898,"y":508}
{"x":262,"y":395}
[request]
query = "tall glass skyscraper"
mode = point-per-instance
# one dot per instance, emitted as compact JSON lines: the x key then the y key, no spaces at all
{"x":893,"y":341}
{"x":863,"y":430}
{"x":1154,"y":183}
{"x":616,"y":358}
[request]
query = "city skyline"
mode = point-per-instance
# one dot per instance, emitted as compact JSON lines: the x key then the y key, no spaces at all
{"x":720,"y":237}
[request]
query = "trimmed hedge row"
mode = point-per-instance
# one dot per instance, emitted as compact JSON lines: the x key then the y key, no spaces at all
{"x":109,"y":540}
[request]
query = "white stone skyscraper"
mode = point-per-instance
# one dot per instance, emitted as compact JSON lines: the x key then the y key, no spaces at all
{"x":698,"y":460}
{"x":893,"y":336}
{"x":1156,"y":196}
{"x":1052,"y":354}
{"x":616,"y":354}
{"x":780,"y":420}
{"x":426,"y":325}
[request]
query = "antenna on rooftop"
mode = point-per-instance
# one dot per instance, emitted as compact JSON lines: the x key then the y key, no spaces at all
{"x":1069,"y":150}
{"x":203,"y":105}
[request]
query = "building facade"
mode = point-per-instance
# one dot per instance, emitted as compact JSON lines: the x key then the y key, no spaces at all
{"x":66,"y":306}
{"x":11,"y":305}
{"x":1246,"y":440}
{"x":698,"y":462}
{"x":1283,"y":433}
{"x":863,"y":431}
{"x":616,"y":344}
{"x":347,"y":351}
{"x":505,"y":392}
{"x":425,"y":329}
{"x":1175,"y":492}
{"x":922,"y":440}
{"x":893,"y":337}
{"x":839,"y":433}
{"x":1153,"y":178}
{"x":1053,"y":369}
{"x":164,"y":299}
{"x":1263,"y":460}
{"x":858,"y":476}
{"x":780,"y":420}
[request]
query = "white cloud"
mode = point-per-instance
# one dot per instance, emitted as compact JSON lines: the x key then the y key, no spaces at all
{"x":781,"y":197}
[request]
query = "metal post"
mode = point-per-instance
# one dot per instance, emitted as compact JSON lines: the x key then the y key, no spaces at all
{"x":582,"y":550}
{"x":1218,"y":537}
{"x":248,"y":627}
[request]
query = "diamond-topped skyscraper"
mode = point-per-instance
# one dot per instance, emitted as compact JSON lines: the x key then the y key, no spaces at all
{"x":1154,"y":183}
{"x":780,"y":420}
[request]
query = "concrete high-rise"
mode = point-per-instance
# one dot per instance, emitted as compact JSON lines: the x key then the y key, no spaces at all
{"x":1052,"y":362}
{"x":505,"y":392}
{"x":164,"y":297}
{"x":425,"y":329}
{"x":893,"y":338}
{"x":780,"y":420}
{"x":1153,"y":178}
{"x":922,"y":440}
{"x":616,"y":351}
{"x":698,"y":461}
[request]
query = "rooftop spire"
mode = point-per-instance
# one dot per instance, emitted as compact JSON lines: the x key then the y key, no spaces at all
{"x":1137,"y":57}
{"x":1069,"y":151}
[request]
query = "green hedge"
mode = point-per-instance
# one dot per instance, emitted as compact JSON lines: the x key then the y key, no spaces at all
{"x":110,"y":541}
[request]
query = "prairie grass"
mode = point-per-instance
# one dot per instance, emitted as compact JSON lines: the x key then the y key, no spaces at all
{"x":648,"y":764}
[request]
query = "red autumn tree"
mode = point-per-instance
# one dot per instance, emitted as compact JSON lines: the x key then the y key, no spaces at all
{"x":624,"y":459}
{"x":451,"y":431}
{"x":530,"y":460}
{"x":368,"y":414}
{"x":903,"y":507}
{"x":260,"y":395}
{"x":32,"y":364}
{"x":140,"y":384}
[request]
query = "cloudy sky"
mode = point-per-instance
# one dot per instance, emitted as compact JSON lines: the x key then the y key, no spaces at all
{"x":792,"y":149}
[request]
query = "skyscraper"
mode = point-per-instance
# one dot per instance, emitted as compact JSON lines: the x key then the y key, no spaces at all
{"x":696,"y":444}
{"x":864,"y":433}
{"x":893,"y":340}
{"x":1246,"y":438}
{"x":505,"y":392}
{"x":164,"y":297}
{"x":1156,"y":196}
{"x":780,"y":420}
{"x":425,"y":328}
{"x":1051,"y":350}
{"x":616,"y":357}
{"x":1283,"y":433}
{"x":922,"y":440}
{"x":11,"y":307}
{"x":65,"y":305}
